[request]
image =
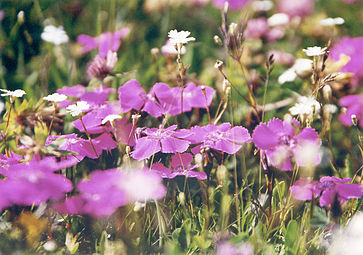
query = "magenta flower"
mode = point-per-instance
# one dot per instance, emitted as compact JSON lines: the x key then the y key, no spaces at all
{"x":354,"y":105}
{"x":31,"y":184}
{"x":180,"y":165}
{"x":232,"y":4}
{"x":279,"y":142}
{"x":105,"y":42}
{"x":82,"y":147}
{"x":166,"y":140}
{"x":93,"y":119}
{"x":100,"y":66}
{"x":193,"y":97}
{"x":226,"y":247}
{"x":74,"y":91}
{"x":107,"y":190}
{"x":351,"y":47}
{"x":222,"y":137}
{"x":328,"y":188}
{"x":256,"y":28}
{"x":296,"y":8}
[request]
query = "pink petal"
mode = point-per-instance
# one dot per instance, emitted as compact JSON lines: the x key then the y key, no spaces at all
{"x":145,"y":147}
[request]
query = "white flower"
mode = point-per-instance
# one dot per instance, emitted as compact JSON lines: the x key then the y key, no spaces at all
{"x":288,"y":76}
{"x":55,"y":97}
{"x":261,"y":6}
{"x":16,"y":93}
{"x":278,"y":19}
{"x":110,"y":118}
{"x":177,"y":38}
{"x":332,"y":21}
{"x":169,"y":49}
{"x":305,"y":106}
{"x":77,"y":108}
{"x":303,"y":66}
{"x":55,"y":35}
{"x":314,"y":51}
{"x":349,"y":239}
{"x":330,"y":108}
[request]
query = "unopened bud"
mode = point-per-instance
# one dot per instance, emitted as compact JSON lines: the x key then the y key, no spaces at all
{"x":228,"y":91}
{"x":135,"y":118}
{"x":138,"y":206}
{"x":217,"y":40}
{"x":226,"y":5}
{"x":21,"y":17}
{"x":155,"y":52}
{"x":181,"y":198}
{"x":221,"y":173}
{"x":198,"y":158}
{"x":327,"y":92}
{"x":226,"y":84}
{"x":219,"y":64}
{"x":354,"y":119}
{"x":127,"y":150}
{"x":232,"y":29}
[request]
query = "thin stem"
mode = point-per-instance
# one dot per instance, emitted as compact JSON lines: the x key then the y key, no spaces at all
{"x":88,"y":135}
{"x":6,"y":129}
{"x":51,"y":122}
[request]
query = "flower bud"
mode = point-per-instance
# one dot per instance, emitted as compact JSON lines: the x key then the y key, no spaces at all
{"x":222,"y":173}
{"x":218,"y":40}
{"x":219,"y":64}
{"x":226,"y":84}
{"x":232,"y":29}
{"x":21,"y":17}
{"x":181,"y":198}
{"x":327,"y":92}
{"x":155,"y":52}
{"x":354,"y":119}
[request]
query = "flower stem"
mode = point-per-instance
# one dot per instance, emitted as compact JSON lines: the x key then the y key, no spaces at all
{"x":51,"y":122}
{"x":88,"y":135}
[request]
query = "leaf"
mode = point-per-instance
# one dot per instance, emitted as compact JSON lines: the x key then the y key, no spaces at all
{"x":292,"y":237}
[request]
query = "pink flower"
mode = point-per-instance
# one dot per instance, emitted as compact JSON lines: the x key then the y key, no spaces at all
{"x":105,"y":42}
{"x":232,"y":4}
{"x":328,"y":188}
{"x":226,"y":247}
{"x":107,"y":190}
{"x":180,"y":165}
{"x":351,"y":47}
{"x":256,"y":28}
{"x":222,"y":137}
{"x":296,"y":8}
{"x":280,"y":142}
{"x":166,"y":140}
{"x":100,"y":66}
{"x":32,"y":184}
{"x":354,"y":105}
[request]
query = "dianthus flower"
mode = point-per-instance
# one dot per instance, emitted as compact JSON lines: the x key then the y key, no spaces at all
{"x":328,"y":188}
{"x":296,"y":8}
{"x":351,"y":47}
{"x":180,"y":165}
{"x":31,"y":184}
{"x":107,"y":190}
{"x":166,"y":140}
{"x":105,"y":42}
{"x":232,"y":4}
{"x":354,"y":105}
{"x":221,"y":138}
{"x":100,"y":66}
{"x":280,"y":142}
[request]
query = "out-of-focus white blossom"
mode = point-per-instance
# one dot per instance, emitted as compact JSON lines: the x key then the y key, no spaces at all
{"x":288,"y":76}
{"x":169,"y":49}
{"x":55,"y":35}
{"x":262,"y":6}
{"x":305,"y":106}
{"x":278,"y":19}
{"x":332,"y":21}
{"x":15,"y":93}
{"x":349,"y":240}
{"x":314,"y":51}
{"x":302,"y":68}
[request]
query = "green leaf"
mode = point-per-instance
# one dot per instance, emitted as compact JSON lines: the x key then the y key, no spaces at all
{"x":292,"y":237}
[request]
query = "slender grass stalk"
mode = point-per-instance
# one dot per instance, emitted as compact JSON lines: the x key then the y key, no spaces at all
{"x":88,"y":135}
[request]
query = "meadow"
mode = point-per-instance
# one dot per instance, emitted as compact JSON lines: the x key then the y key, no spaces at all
{"x":181,"y":127}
